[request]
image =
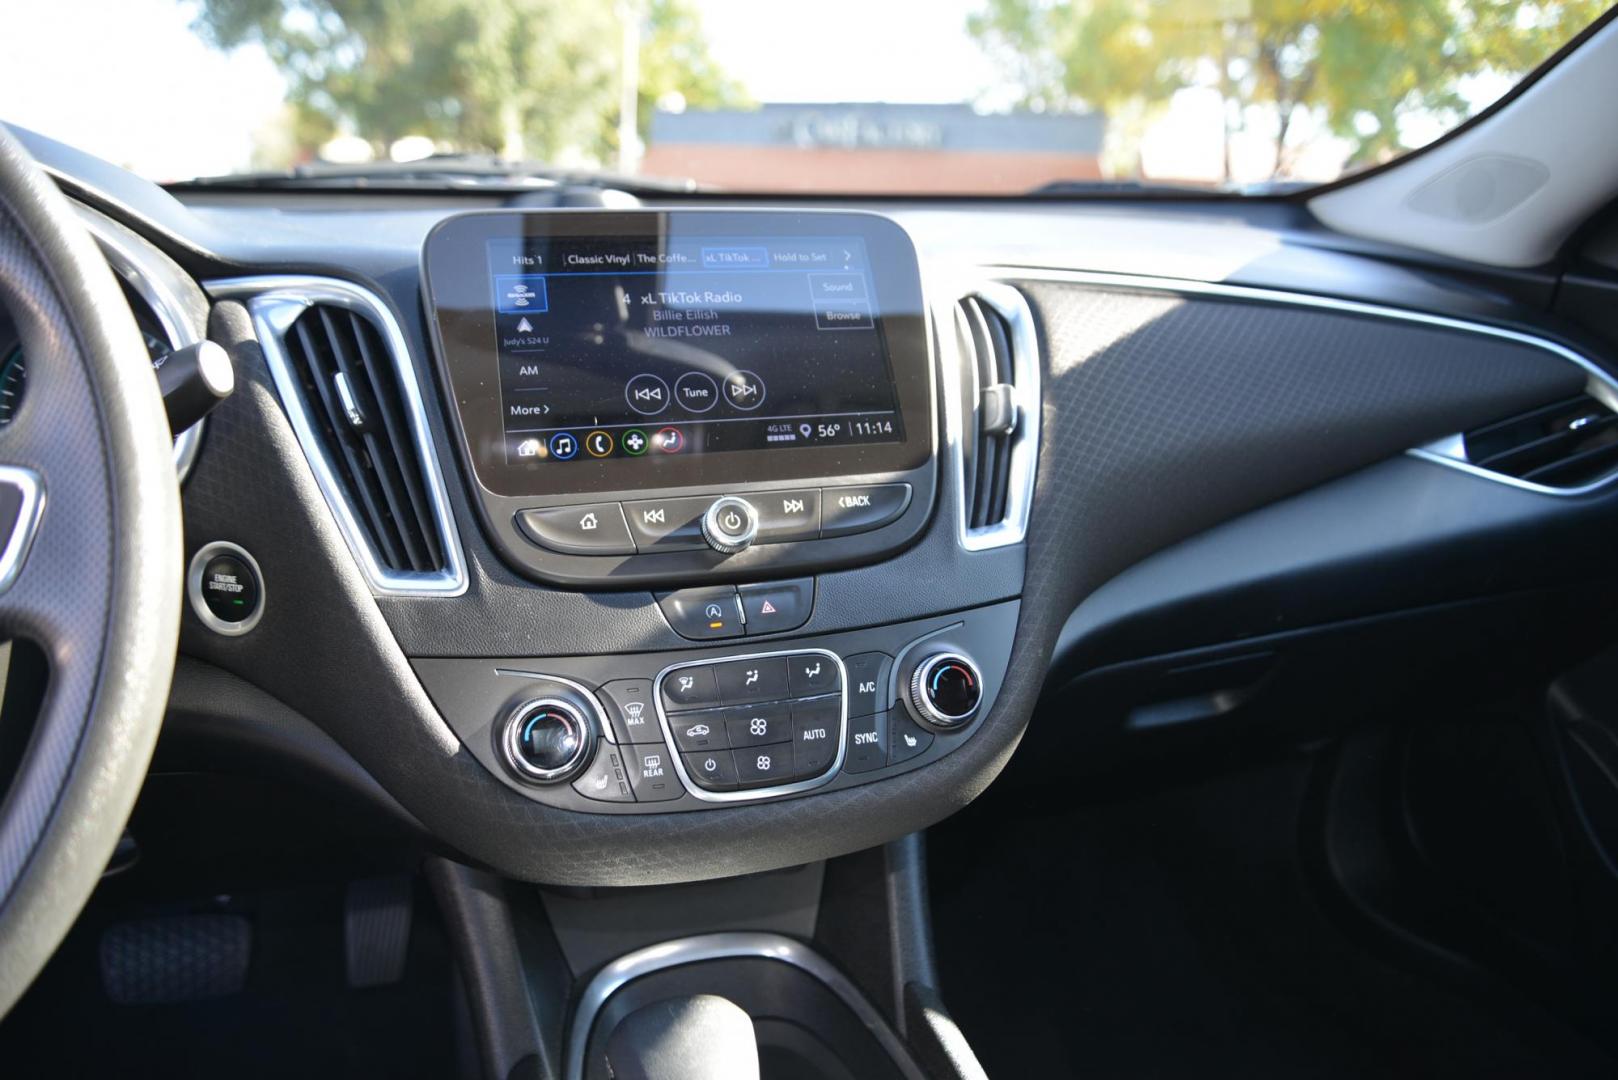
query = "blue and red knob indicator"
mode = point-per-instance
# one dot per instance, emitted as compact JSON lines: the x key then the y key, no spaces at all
{"x":946,"y":690}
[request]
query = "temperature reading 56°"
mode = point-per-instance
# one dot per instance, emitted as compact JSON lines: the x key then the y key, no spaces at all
{"x":828,"y":431}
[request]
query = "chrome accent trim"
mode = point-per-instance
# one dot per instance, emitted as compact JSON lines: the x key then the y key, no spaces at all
{"x":727,"y":946}
{"x":345,"y":396}
{"x":748,"y":794}
{"x":1012,"y":306}
{"x":1451,"y":450}
{"x":1600,"y":379}
{"x":152,"y":284}
{"x":275,"y":302}
{"x":193,"y":588}
{"x":15,"y":553}
{"x":514,"y":761}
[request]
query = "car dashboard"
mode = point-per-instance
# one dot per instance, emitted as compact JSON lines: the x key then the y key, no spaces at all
{"x":1084,"y":460}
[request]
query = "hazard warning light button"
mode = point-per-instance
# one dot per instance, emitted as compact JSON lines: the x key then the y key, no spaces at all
{"x":778,"y":606}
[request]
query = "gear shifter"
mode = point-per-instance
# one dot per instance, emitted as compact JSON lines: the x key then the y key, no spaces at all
{"x":684,"y":1038}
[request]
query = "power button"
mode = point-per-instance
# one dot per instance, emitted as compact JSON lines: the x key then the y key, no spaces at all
{"x":226,"y":588}
{"x":730,"y":524}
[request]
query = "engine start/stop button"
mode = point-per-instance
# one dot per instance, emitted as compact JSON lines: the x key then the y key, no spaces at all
{"x":226,"y":588}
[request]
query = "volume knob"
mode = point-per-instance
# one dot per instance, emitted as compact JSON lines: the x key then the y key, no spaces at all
{"x":730,"y":525}
{"x":945,"y":690}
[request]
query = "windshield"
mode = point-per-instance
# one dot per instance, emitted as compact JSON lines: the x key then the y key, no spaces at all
{"x":958,"y":96}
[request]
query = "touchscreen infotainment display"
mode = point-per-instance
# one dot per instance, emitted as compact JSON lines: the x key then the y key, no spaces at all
{"x":624,"y":347}
{"x":632,"y":350}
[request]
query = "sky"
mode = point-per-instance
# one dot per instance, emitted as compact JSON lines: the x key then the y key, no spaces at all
{"x":143,"y":91}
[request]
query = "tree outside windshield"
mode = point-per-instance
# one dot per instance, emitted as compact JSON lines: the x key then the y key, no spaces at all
{"x":969,"y":96}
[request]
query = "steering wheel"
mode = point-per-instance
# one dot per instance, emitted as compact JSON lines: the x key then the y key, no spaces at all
{"x":90,"y":564}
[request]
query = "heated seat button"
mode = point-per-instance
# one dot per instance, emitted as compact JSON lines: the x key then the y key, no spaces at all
{"x":703,"y":730}
{"x":703,"y":614}
{"x":756,"y":725}
{"x":848,"y":510}
{"x":778,"y":606}
{"x":815,"y":726}
{"x":867,"y":743}
{"x":667,"y":524}
{"x":764,"y":765}
{"x":813,"y":673}
{"x":628,"y":705}
{"x":605,"y":780}
{"x":906,"y":738}
{"x":712,"y":770}
{"x":868,"y":682}
{"x":786,"y":515}
{"x":586,"y":529}
{"x":690,"y":688}
{"x":744,"y":681}
{"x":651,"y":773}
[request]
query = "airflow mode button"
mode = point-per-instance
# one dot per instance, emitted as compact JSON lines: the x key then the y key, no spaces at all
{"x":848,"y":510}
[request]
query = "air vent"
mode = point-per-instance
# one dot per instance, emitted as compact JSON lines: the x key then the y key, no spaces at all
{"x":1564,"y":445}
{"x":345,"y":376}
{"x":998,"y":380}
{"x":352,"y":397}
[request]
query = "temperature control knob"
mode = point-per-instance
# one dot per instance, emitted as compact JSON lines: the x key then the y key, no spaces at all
{"x":547,"y":741}
{"x":730,"y":524}
{"x":945,"y":690}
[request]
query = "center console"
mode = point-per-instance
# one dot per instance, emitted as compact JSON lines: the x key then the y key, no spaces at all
{"x":717,"y":406}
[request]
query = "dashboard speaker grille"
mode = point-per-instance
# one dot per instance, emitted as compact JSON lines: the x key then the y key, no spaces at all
{"x":352,"y":398}
{"x":985,"y":338}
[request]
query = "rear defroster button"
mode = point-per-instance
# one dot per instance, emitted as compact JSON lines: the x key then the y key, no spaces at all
{"x":848,"y":510}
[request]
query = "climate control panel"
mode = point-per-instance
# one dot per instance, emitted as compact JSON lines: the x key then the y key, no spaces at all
{"x":672,"y":732}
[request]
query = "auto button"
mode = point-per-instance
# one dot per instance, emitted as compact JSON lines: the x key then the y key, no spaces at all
{"x":703,"y":614}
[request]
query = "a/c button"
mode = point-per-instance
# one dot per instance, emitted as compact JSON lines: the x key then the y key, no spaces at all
{"x":847,"y":510}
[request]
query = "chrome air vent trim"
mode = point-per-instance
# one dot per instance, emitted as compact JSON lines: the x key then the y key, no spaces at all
{"x":1442,"y":451}
{"x":999,"y":294}
{"x":275,"y":302}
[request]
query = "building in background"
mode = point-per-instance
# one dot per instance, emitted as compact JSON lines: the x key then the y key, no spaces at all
{"x":874,"y":147}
